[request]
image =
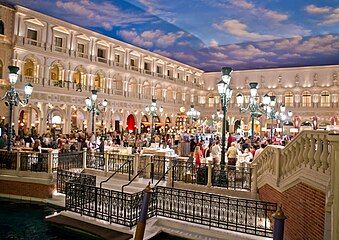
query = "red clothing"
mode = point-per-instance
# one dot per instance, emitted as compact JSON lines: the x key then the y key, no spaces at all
{"x":197,"y":157}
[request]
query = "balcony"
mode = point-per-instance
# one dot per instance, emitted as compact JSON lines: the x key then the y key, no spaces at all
{"x":134,"y":68}
{"x":59,"y":49}
{"x":81,"y":55}
{"x":119,"y":64}
{"x":102,"y":60}
{"x":27,"y":41}
{"x":159,"y":75}
{"x":148,"y":72}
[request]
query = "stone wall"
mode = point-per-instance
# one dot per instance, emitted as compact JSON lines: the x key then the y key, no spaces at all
{"x":26,"y":189}
{"x":304,"y":207}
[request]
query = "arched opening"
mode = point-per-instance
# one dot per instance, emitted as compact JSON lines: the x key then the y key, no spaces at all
{"x":325,"y":99}
{"x":169,"y":96}
{"x":30,"y":70}
{"x":158,"y":92}
{"x":156,"y":124}
{"x":55,"y":76}
{"x":237,"y":125}
{"x":28,"y":122}
{"x":118,"y":85}
{"x":79,"y":78}
{"x":288,"y":99}
{"x":131,"y":123}
{"x":146,"y":90}
{"x":144,"y":124}
{"x":133,"y":88}
{"x":2,"y":28}
{"x":98,"y":81}
{"x":78,"y":120}
{"x":54,"y":122}
{"x":306,"y":99}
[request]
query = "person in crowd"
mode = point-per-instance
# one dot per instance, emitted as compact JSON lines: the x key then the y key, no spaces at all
{"x":192,"y":145}
{"x":231,"y":154}
{"x":262,"y":146}
{"x":197,"y":154}
{"x":215,"y":153}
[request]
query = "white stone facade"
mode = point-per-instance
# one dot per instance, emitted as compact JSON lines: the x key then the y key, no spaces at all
{"x":65,"y":62}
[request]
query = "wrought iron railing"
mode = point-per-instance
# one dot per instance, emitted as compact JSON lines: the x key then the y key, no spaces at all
{"x":237,"y":177}
{"x":116,"y":160}
{"x":8,"y":160}
{"x":68,"y":160}
{"x":95,"y":160}
{"x":64,"y":176}
{"x":34,"y":161}
{"x":122,"y":169}
{"x":241,"y":215}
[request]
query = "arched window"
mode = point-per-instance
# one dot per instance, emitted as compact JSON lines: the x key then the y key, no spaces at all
{"x":306,"y":100}
{"x":211,"y":101}
{"x":2,"y":28}
{"x":29,"y":68}
{"x":1,"y":69}
{"x":289,"y":99}
{"x":97,"y":81}
{"x":77,"y":77}
{"x":325,"y":99}
{"x":55,"y":73}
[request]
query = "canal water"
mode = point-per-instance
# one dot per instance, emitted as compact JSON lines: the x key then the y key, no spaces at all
{"x":25,"y":221}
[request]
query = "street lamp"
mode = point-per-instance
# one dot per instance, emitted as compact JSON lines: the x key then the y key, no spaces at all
{"x":12,"y":98}
{"x":152,"y":111}
{"x":225,"y":93}
{"x":193,"y":114}
{"x":94,"y":107}
{"x":253,"y":107}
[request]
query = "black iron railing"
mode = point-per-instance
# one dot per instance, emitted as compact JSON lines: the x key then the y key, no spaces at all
{"x":68,"y":160}
{"x":34,"y":161}
{"x":189,"y":172}
{"x":66,"y":176}
{"x":122,"y":169}
{"x":115,"y":161}
{"x":95,"y":160}
{"x":8,"y":160}
{"x":109,"y":205}
{"x":241,"y":215}
{"x":237,"y":177}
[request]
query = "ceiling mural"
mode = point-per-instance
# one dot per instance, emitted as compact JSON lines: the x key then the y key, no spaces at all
{"x":208,"y":34}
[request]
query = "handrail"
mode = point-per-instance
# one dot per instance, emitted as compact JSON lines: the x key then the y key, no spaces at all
{"x":128,"y":161}
{"x":136,"y":175}
{"x":164,"y":174}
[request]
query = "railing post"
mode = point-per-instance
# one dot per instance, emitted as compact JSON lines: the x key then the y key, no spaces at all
{"x":18,"y":156}
{"x":50,"y":161}
{"x":333,"y":201}
{"x":106,"y":157}
{"x":209,"y":174}
{"x":277,"y":161}
{"x":140,"y":230}
{"x":254,"y":183}
{"x":279,"y":222}
{"x":136,"y":163}
{"x":84,"y":158}
{"x":170,"y":174}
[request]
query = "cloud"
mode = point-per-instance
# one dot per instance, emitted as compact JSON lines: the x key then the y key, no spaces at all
{"x":261,"y":60}
{"x":86,"y":12}
{"x":250,"y":52}
{"x":273,"y":15}
{"x":287,"y":43}
{"x":184,"y":56}
{"x":312,"y":9}
{"x":238,"y":29}
{"x":289,"y":55}
{"x":214,"y":43}
{"x":156,"y":7}
{"x":329,"y":15}
{"x":151,"y":38}
{"x":163,"y":53}
{"x":321,"y":44}
{"x":243,"y":4}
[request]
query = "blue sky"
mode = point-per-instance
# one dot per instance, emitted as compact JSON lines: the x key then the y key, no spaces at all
{"x":208,"y":34}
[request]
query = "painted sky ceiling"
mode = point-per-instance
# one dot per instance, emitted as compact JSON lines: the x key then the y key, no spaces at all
{"x":208,"y":34}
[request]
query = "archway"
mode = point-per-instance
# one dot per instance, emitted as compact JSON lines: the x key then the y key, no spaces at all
{"x":55,"y":122}
{"x":237,"y":125}
{"x":77,"y":120}
{"x":131,"y":123}
{"x":28,"y":122}
{"x":144,"y":124}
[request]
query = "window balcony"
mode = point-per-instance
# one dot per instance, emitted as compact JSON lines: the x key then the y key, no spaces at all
{"x":59,"y":49}
{"x":81,"y":55}
{"x":134,"y":68}
{"x":148,"y":72}
{"x":27,"y":41}
{"x":119,"y":64}
{"x":159,"y":75}
{"x":102,"y":60}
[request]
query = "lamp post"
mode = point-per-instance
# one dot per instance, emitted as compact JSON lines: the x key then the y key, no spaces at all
{"x":94,"y":107}
{"x":225,"y":93}
{"x":12,"y":98}
{"x":253,"y":107}
{"x":152,"y":111}
{"x":193,"y":114}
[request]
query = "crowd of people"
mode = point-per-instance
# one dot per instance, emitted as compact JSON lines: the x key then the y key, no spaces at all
{"x":201,"y":146}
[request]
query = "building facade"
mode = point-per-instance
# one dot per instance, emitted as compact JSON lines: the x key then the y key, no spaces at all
{"x":64,"y":62}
